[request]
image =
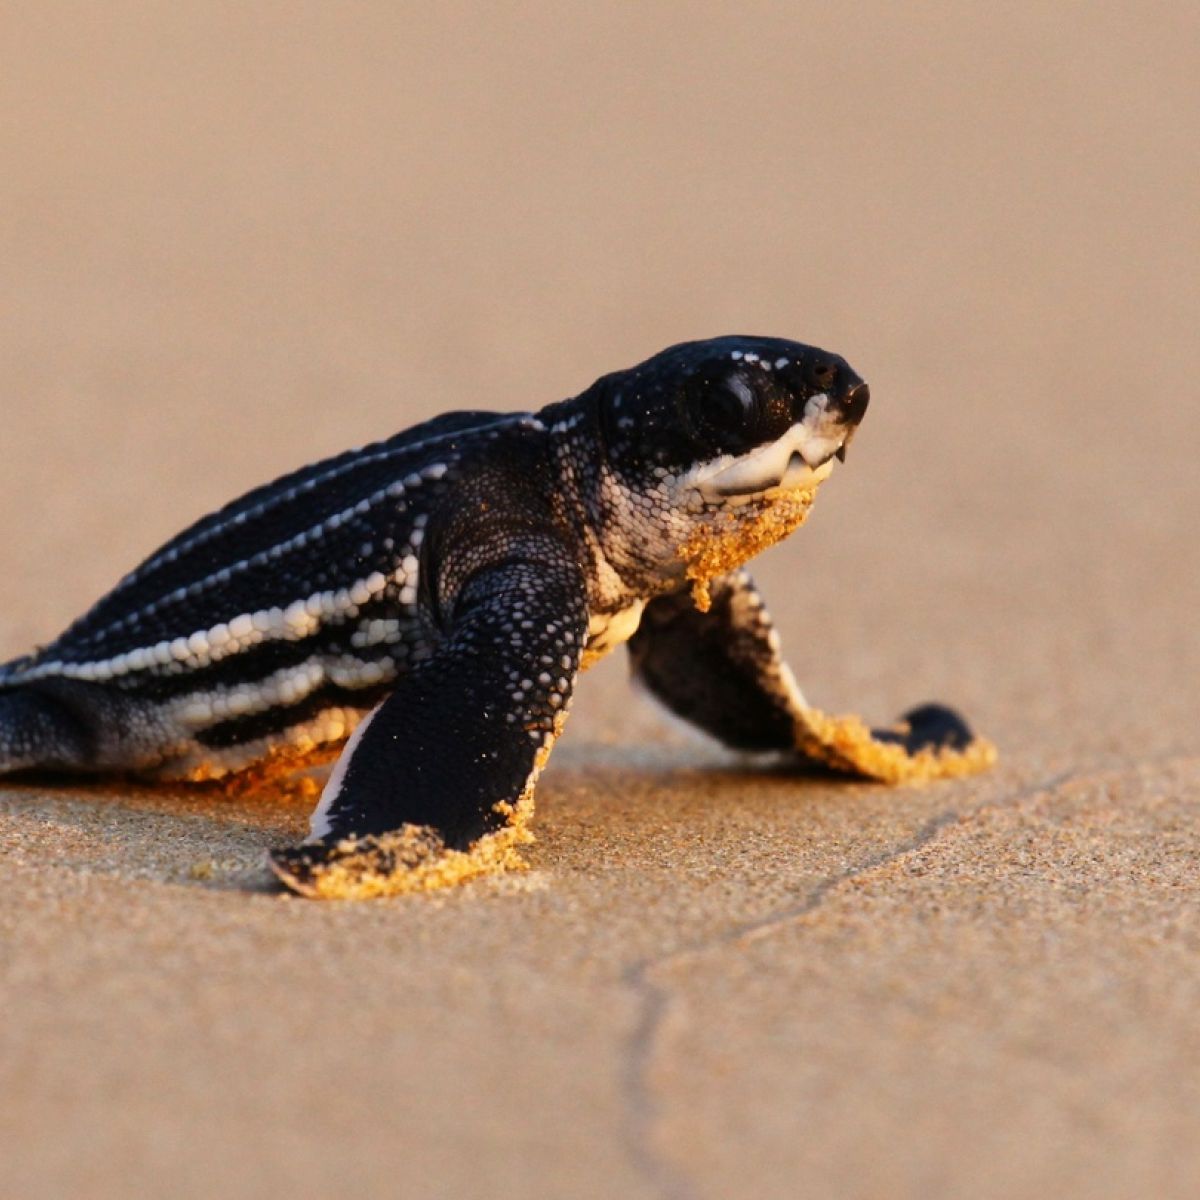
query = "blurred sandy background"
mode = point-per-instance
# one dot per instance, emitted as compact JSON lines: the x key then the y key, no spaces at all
{"x":234,"y":238}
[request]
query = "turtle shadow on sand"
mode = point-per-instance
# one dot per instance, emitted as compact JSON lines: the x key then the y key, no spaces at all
{"x":198,"y":835}
{"x":216,"y":838}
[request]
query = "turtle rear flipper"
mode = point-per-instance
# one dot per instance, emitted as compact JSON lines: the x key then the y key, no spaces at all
{"x":37,"y":730}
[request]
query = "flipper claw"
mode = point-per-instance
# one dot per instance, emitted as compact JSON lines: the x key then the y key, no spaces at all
{"x":928,"y":727}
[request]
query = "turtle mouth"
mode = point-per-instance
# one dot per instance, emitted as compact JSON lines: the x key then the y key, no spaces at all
{"x":798,"y":460}
{"x":799,"y":474}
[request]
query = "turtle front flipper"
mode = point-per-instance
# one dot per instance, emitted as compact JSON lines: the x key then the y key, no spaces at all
{"x":436,"y":785}
{"x":722,"y":671}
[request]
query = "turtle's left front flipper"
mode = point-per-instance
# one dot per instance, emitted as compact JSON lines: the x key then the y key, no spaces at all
{"x":436,"y":785}
{"x":722,"y":671}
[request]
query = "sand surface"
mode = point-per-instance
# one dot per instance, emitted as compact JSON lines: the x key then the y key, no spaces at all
{"x":234,"y":238}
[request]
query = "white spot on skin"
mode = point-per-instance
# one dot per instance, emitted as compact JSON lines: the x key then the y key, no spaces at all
{"x":242,"y":626}
{"x":197,"y":712}
{"x":296,"y":615}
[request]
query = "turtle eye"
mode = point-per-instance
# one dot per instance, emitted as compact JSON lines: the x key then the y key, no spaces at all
{"x":720,"y":410}
{"x":732,"y":405}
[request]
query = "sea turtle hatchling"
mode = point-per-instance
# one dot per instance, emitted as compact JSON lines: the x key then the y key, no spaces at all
{"x":431,"y":598}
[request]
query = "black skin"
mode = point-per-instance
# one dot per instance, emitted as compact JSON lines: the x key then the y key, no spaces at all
{"x":531,"y":529}
{"x":719,"y":671}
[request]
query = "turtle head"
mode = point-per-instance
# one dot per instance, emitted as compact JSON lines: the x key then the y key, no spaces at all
{"x":726,"y":420}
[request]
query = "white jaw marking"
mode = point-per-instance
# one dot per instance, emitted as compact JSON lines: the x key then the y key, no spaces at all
{"x":818,"y":450}
{"x":800,"y":458}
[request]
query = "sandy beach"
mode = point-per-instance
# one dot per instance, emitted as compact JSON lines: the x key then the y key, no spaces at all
{"x":235,"y":240}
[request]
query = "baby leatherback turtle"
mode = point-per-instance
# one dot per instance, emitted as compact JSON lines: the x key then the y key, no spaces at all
{"x":431,"y":598}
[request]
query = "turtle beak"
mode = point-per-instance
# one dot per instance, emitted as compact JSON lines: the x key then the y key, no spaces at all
{"x":852,"y":404}
{"x":851,"y":407}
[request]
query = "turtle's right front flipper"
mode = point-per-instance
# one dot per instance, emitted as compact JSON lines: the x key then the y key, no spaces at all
{"x":436,"y":785}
